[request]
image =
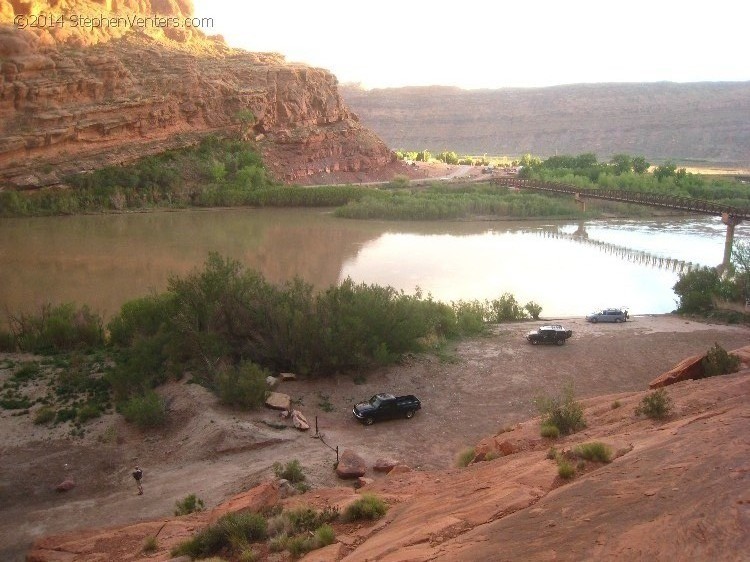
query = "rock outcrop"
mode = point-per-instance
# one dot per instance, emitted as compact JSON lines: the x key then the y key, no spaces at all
{"x":76,"y":98}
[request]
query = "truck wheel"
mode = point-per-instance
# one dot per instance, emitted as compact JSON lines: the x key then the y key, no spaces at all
{"x":409,"y":414}
{"x":368,"y":421}
{"x":560,"y":342}
{"x":533,"y":342}
{"x":594,"y":320}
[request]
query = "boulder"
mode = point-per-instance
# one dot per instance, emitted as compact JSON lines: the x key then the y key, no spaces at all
{"x":399,"y":469}
{"x":384,"y":465}
{"x":65,"y":485}
{"x":350,"y":465}
{"x":287,"y":377}
{"x":271,"y":382}
{"x":362,"y":481}
{"x":299,"y":421}
{"x":689,"y":368}
{"x":279,"y":401}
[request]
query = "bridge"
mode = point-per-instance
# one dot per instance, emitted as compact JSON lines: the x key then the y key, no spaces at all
{"x":627,"y":254}
{"x":730,"y":216}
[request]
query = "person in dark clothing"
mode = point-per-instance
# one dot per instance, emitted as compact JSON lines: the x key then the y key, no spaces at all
{"x":138,"y":475}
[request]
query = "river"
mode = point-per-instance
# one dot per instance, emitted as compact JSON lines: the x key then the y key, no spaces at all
{"x":105,"y":260}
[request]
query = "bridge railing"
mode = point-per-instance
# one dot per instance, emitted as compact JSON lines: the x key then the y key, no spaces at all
{"x":639,"y":197}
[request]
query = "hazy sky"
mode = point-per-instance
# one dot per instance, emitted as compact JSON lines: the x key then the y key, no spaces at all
{"x":486,"y":44}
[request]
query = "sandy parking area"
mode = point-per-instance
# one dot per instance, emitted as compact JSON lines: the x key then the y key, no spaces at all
{"x":483,"y":385}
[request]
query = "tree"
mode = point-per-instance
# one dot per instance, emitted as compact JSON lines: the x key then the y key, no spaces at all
{"x":696,"y":289}
{"x":622,"y":163}
{"x":666,"y":170}
{"x":640,"y":166}
{"x":741,"y":262}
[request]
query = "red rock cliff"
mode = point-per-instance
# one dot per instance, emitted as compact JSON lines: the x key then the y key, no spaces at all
{"x":76,"y":97}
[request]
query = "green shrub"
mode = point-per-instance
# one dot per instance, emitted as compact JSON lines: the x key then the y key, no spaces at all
{"x":368,"y":507}
{"x":145,"y":411}
{"x":27,"y":372}
{"x":324,"y":535}
{"x":44,"y":415}
{"x":189,"y":504}
{"x":299,"y":545}
{"x":232,"y":531}
{"x":562,"y":412}
{"x":244,"y":385}
{"x":150,"y":545}
{"x":57,"y":328}
{"x":278,"y":543}
{"x":594,"y":451}
{"x":465,"y":457}
{"x":550,"y":431}
{"x":656,"y":405}
{"x":718,"y":362}
{"x":533,"y":309}
{"x":565,"y":468}
{"x":88,"y":412}
{"x":291,"y":471}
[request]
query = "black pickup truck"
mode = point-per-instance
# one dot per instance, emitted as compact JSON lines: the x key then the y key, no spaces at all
{"x":553,"y":333}
{"x":386,"y":406}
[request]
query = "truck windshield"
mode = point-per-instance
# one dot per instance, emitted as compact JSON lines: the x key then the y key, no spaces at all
{"x":374,"y":401}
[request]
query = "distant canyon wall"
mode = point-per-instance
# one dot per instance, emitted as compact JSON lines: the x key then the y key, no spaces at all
{"x":698,"y":122}
{"x":76,"y":98}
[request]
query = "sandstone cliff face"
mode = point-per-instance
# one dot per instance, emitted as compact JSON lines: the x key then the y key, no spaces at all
{"x":73,"y":99}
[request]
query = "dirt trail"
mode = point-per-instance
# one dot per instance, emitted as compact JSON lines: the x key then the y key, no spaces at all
{"x":488,"y":383}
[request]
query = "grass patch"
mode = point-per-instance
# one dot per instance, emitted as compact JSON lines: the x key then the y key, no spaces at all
{"x":233,"y":532}
{"x":465,"y":457}
{"x":656,"y":405}
{"x":189,"y":504}
{"x":562,"y":412}
{"x":145,"y":411}
{"x":369,"y":507}
{"x":150,"y":545}
{"x":594,"y":451}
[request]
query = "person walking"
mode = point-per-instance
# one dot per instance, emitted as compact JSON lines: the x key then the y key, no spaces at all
{"x":138,"y":476}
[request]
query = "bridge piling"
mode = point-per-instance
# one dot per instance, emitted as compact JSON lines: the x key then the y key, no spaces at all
{"x":731,"y":222}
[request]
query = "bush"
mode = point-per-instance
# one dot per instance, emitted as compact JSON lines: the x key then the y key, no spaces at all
{"x":189,"y":504}
{"x":150,"y":544}
{"x":550,"y":431}
{"x":465,"y":457}
{"x":233,"y":531}
{"x":244,"y":385}
{"x":368,"y":507}
{"x":594,"y":451}
{"x":292,"y":471}
{"x":565,"y":468}
{"x":145,"y":411}
{"x":656,"y":405}
{"x":324,"y":535}
{"x":44,"y":415}
{"x":562,"y":412}
{"x":718,"y":362}
{"x":59,"y":328}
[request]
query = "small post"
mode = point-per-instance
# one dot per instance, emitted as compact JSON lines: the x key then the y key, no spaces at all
{"x":337,"y":455}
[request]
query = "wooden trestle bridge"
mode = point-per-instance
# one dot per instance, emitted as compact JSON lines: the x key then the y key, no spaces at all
{"x":730,"y":216}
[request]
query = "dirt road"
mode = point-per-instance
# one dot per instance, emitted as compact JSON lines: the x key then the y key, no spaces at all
{"x":485,"y":384}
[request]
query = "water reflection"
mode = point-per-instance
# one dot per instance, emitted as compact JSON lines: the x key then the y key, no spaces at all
{"x":106,"y":260}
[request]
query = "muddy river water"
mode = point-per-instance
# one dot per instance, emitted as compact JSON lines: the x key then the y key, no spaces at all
{"x":569,"y":268}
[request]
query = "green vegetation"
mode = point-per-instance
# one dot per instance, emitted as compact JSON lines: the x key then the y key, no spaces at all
{"x":594,"y":451}
{"x":630,"y":173}
{"x":719,"y":362}
{"x":561,"y":412}
{"x":232,"y":532}
{"x":656,"y":405}
{"x":565,"y":468}
{"x":292,"y":472}
{"x":189,"y":504}
{"x":549,"y":431}
{"x":368,"y":507}
{"x":145,"y":411}
{"x":151,"y":544}
{"x":443,"y":202}
{"x":465,"y":457}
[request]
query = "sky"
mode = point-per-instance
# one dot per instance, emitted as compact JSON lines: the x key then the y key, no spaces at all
{"x":495,"y":44}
